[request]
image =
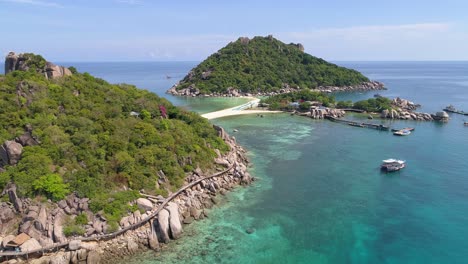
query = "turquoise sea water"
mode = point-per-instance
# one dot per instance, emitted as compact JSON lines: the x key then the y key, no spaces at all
{"x":321,"y":197}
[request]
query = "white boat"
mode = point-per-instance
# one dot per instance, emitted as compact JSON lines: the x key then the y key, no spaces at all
{"x":402,"y":132}
{"x":390,"y":165}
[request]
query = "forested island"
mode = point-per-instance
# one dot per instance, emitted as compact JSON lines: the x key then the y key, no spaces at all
{"x":265,"y":66}
{"x":80,"y":157}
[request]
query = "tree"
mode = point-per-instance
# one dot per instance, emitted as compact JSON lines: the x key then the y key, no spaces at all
{"x":52,"y":186}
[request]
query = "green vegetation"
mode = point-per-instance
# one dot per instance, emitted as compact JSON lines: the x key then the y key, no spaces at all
{"x":374,"y":104}
{"x":282,"y":101}
{"x":35,"y":62}
{"x":75,"y":227}
{"x":115,"y":205}
{"x":52,"y":186}
{"x":266,"y":64}
{"x":81,"y":219}
{"x":91,"y":144}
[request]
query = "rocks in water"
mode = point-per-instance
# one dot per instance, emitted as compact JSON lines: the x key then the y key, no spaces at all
{"x":162,"y":226}
{"x":195,"y":213}
{"x":250,"y":230}
{"x":144,"y":204}
{"x":321,"y":113}
{"x":441,"y":116}
{"x":404,"y":110}
{"x":188,"y":220}
{"x":153,"y":242}
{"x":174,"y":220}
{"x":404,"y":104}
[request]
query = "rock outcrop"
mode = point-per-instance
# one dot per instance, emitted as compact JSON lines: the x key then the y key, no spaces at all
{"x":45,"y":223}
{"x":10,"y":153}
{"x":174,"y":220}
{"x":162,"y":226}
{"x":193,"y":91}
{"x":24,"y":61}
{"x":30,"y":245}
{"x":404,"y":110}
{"x":144,"y":204}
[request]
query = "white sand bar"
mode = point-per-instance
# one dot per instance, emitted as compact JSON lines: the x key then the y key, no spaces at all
{"x":239,"y":110}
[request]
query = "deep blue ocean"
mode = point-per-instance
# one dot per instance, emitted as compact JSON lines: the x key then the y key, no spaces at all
{"x":321,"y":197}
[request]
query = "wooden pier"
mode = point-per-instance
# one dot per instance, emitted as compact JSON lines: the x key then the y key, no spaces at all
{"x":359,"y":124}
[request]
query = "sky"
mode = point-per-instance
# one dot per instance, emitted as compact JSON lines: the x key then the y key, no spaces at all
{"x":188,"y":30}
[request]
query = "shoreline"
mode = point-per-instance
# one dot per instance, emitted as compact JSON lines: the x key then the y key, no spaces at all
{"x":192,"y":91}
{"x":186,"y":205}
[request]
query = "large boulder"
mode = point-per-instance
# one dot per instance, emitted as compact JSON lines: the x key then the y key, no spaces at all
{"x":41,"y":220}
{"x":144,"y":204}
{"x":153,"y":240}
{"x":6,"y":215}
{"x":58,"y":227}
{"x":162,"y":226}
{"x":17,"y":203}
{"x":13,"y":150}
{"x":11,"y":61}
{"x":27,"y":139}
{"x":53,"y":71}
{"x":174,"y":220}
{"x":30,"y":245}
{"x":74,"y":245}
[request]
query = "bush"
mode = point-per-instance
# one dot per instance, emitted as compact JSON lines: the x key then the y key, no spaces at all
{"x":52,"y":186}
{"x":73,"y":230}
{"x":81,"y":219}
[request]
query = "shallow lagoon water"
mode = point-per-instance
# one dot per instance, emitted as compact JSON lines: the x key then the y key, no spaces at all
{"x":320,"y":196}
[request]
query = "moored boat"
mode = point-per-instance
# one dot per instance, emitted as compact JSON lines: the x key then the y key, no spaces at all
{"x":402,"y":132}
{"x":452,"y":109}
{"x":390,"y":165}
{"x":406,"y":128}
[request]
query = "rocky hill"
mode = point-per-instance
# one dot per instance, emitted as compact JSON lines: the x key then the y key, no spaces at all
{"x":265,"y":65}
{"x":29,"y":61}
{"x":89,"y":146}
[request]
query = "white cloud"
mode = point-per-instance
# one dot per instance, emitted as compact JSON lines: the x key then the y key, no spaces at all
{"x":421,"y":41}
{"x":34,"y":2}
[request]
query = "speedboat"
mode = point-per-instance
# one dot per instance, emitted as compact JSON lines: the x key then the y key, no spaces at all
{"x":406,"y":128}
{"x":390,"y":165}
{"x":402,"y":132}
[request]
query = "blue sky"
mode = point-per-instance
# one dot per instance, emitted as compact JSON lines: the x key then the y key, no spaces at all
{"x":164,"y":30}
